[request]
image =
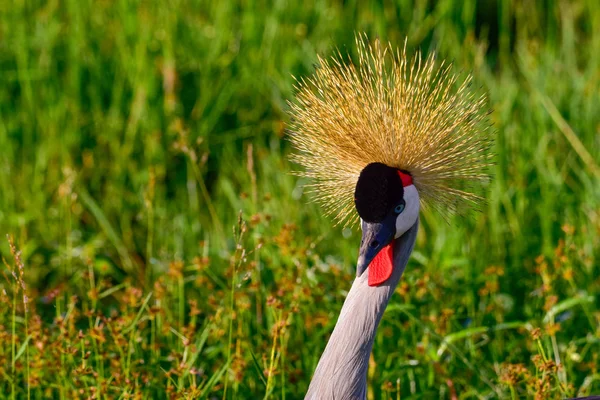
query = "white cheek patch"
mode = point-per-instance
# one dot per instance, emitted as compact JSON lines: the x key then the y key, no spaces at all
{"x":408,"y":217}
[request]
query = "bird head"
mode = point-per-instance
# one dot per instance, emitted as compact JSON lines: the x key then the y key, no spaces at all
{"x":393,"y":133}
{"x":387,"y":202}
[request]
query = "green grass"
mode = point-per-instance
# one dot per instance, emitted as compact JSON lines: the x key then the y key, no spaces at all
{"x":167,"y":251}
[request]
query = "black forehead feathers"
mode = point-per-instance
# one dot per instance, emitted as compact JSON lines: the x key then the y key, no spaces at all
{"x":378,"y":190}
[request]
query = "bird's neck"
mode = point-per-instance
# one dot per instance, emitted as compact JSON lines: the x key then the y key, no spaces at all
{"x":342,"y":369}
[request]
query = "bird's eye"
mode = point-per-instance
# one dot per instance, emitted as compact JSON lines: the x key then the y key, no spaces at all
{"x":399,"y":208}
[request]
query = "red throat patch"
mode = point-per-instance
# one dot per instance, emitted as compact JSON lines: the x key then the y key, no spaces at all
{"x":380,"y":268}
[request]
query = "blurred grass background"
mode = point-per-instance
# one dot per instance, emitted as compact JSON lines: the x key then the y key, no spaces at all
{"x":163,"y":249}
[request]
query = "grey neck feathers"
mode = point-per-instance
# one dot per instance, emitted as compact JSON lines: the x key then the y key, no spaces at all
{"x":342,"y":370}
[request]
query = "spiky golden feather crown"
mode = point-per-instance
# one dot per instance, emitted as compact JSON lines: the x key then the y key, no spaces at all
{"x":408,"y":114}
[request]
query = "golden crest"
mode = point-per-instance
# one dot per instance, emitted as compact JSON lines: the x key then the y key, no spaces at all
{"x":411,"y":114}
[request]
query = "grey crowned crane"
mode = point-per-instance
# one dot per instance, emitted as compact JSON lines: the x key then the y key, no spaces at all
{"x":384,"y":137}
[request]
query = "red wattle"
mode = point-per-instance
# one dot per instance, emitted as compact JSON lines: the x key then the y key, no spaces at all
{"x":380,"y":268}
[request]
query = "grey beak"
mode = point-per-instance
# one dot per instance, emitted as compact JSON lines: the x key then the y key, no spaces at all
{"x":375,"y":236}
